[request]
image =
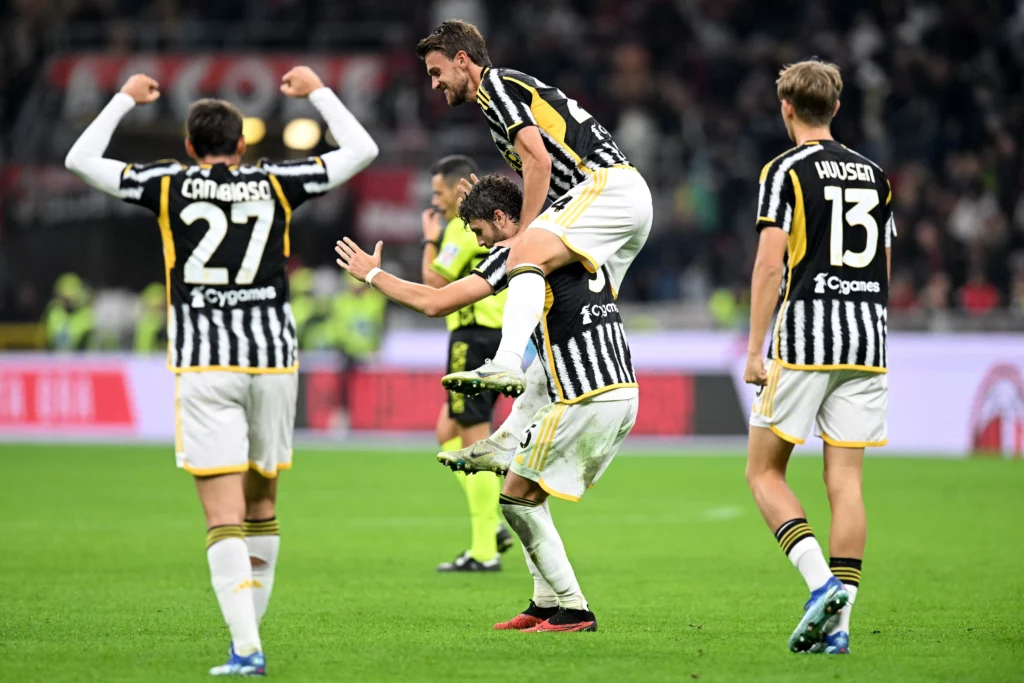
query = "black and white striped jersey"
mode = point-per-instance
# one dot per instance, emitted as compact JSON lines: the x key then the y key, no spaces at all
{"x":835,"y":206}
{"x":580,"y":339}
{"x":226,"y":237}
{"x":577,"y":143}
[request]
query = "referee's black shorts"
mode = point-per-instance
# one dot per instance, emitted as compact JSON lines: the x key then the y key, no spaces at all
{"x":468,"y":348}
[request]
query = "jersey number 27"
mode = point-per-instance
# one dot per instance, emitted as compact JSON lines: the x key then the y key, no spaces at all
{"x":196,"y":272}
{"x":863,"y":200}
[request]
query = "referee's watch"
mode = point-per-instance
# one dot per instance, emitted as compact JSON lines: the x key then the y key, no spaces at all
{"x":424,"y":242}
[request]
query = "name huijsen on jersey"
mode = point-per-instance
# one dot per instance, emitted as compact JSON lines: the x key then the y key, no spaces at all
{"x":837,"y":284}
{"x":591,"y":311}
{"x":230,"y":297}
{"x":203,"y":188}
{"x":845,"y":170}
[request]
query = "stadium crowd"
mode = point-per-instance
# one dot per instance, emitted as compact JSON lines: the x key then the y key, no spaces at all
{"x":934,"y":91}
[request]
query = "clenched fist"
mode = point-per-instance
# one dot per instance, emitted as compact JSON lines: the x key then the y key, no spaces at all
{"x":300,"y":81}
{"x":142,"y":89}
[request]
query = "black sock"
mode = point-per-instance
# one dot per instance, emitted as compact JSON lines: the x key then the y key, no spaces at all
{"x":792,"y":532}
{"x":846,"y":569}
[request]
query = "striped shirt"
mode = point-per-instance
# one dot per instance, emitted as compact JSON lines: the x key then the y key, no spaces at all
{"x":580,"y":340}
{"x":226,"y":238}
{"x":577,"y":143}
{"x":835,"y":207}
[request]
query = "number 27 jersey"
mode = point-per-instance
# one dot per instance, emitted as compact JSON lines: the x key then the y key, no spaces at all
{"x":835,"y":206}
{"x":226,"y":240}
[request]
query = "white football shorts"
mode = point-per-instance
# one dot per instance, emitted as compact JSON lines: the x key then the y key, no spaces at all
{"x":233,"y":421}
{"x":605,"y":219}
{"x":568,"y":447}
{"x":848,"y":408}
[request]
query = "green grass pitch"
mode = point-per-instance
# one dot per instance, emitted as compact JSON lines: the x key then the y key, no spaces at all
{"x":103,"y":575}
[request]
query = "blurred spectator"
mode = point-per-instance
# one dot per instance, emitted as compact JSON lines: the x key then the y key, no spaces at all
{"x":151,"y":326}
{"x":69,"y":315}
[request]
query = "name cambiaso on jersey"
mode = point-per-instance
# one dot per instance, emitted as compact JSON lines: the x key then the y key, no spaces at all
{"x":225,"y":232}
{"x":835,"y":206}
{"x":580,"y":340}
{"x":577,"y":143}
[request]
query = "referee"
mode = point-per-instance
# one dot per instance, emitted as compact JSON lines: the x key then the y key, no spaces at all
{"x":450,"y":252}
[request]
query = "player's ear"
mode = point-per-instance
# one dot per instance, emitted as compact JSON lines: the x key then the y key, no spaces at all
{"x":190,"y":150}
{"x":240,"y":149}
{"x":836,"y":110}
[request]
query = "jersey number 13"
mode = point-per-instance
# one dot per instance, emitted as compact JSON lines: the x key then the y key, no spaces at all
{"x":863,"y":201}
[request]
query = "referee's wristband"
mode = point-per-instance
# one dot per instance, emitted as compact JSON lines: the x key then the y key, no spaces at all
{"x":374,"y":272}
{"x":436,"y":243}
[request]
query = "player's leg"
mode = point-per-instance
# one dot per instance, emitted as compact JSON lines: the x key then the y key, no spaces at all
{"x":591,"y":223}
{"x":262,"y":536}
{"x":781,"y":417}
{"x":482,"y":490}
{"x":214,"y":444}
{"x":853,"y":416}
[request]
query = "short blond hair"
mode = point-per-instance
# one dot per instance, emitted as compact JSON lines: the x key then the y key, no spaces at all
{"x":813,"y":88}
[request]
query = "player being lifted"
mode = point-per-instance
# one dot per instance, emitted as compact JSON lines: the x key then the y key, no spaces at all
{"x":825,"y":223}
{"x":590,"y":408}
{"x":600,"y":212}
{"x":450,"y":252}
{"x":231,"y":335}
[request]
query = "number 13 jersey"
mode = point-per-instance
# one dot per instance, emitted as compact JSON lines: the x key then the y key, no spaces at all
{"x":226,"y":240}
{"x":835,"y":207}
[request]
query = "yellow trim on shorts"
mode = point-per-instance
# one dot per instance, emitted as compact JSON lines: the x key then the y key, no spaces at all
{"x":558,"y":412}
{"x":179,"y":432}
{"x":214,"y":471}
{"x":270,"y":475}
{"x":237,"y":368}
{"x":841,"y":366}
{"x":544,"y":437}
{"x":785,"y":437}
{"x":853,"y":444}
{"x":574,"y":210}
{"x":557,"y":494}
{"x":588,"y":261}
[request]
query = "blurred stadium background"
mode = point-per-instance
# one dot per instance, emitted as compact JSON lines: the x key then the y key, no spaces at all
{"x":933,"y":92}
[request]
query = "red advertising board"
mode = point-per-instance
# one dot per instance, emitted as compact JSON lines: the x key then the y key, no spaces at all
{"x":65,"y":397}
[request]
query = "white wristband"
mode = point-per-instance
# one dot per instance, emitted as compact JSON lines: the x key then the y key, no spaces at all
{"x":372,"y":274}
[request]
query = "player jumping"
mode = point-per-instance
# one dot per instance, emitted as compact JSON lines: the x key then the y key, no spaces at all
{"x":600,"y":212}
{"x":592,"y":403}
{"x":231,"y":335}
{"x":826,"y":226}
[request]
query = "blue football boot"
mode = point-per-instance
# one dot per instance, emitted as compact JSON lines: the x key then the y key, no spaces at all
{"x":251,"y":665}
{"x":819,"y":612}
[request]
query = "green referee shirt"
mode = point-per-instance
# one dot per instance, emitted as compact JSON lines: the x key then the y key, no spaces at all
{"x":457,"y":256}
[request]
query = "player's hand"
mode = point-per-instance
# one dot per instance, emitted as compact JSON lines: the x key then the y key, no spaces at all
{"x":466,"y":185}
{"x":356,"y":261}
{"x":755,"y":372}
{"x":300,"y":81}
{"x":142,"y":89}
{"x":432,"y":225}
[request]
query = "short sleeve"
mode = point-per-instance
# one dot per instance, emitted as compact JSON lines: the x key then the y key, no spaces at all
{"x":298,"y":179}
{"x":494,"y":269}
{"x":775,"y":196}
{"x":458,"y":248}
{"x":141,"y":183}
{"x":511,"y":101}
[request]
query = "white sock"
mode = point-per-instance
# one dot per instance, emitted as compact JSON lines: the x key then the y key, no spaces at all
{"x":540,"y":539}
{"x":844,"y":614}
{"x":231,"y":576}
{"x":807,"y":557}
{"x":543,"y":595}
{"x":523,"y":310}
{"x":510,"y":434}
{"x":263,"y":541}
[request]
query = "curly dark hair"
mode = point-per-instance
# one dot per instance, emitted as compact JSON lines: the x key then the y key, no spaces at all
{"x":494,"y":192}
{"x":453,"y":36}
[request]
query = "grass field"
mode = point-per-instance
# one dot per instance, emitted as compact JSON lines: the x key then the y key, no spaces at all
{"x":103,"y":575}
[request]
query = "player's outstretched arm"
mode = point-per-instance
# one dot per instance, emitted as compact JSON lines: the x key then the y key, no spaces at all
{"x":764,"y":294}
{"x":424,"y":299}
{"x":85,"y":158}
{"x":356,"y":148}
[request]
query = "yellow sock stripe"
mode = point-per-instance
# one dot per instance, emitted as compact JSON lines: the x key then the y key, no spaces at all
{"x":560,"y":410}
{"x":219,"y":533}
{"x":846,"y":572}
{"x":513,"y":500}
{"x":587,"y":197}
{"x":545,"y":435}
{"x":269,"y":528}
{"x":525,"y":268}
{"x":791,"y":536}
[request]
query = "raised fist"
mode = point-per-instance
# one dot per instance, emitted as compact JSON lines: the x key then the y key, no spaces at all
{"x":142,"y":89}
{"x":300,"y":81}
